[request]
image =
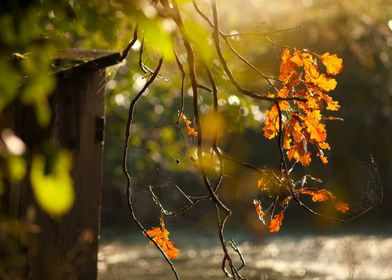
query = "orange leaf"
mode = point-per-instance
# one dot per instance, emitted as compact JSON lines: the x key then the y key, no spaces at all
{"x":276,"y":222}
{"x":333,"y":105}
{"x":324,"y":159}
{"x":319,"y":195}
{"x":259,"y":210}
{"x":341,"y":206}
{"x":324,"y":82}
{"x":301,"y":77}
{"x":271,"y":126}
{"x":287,"y":67}
{"x":296,"y":58}
{"x":305,"y":159}
{"x":161,"y":236}
{"x":191,"y":131}
{"x":332,"y":63}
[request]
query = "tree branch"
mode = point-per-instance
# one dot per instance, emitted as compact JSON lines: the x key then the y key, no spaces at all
{"x":125,"y":165}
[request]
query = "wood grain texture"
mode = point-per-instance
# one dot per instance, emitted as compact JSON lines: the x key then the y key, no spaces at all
{"x":65,"y":248}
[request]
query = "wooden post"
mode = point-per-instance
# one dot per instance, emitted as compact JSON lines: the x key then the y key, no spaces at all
{"x":67,"y":248}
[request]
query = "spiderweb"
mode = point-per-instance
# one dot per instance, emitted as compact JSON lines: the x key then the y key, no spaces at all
{"x":368,"y":188}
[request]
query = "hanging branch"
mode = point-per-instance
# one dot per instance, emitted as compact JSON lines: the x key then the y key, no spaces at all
{"x":216,"y":117}
{"x":183,"y":74}
{"x":128,"y":133}
{"x":195,"y":85}
{"x":283,"y":164}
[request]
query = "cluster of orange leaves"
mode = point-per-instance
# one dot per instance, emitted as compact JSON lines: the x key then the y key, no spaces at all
{"x":324,"y":195}
{"x":302,"y":78}
{"x":191,"y":131}
{"x":273,"y":189}
{"x":161,"y":236}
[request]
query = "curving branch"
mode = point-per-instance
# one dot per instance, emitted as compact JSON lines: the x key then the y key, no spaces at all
{"x":125,"y":52}
{"x":228,"y":72}
{"x":183,"y":74}
{"x":129,"y":190}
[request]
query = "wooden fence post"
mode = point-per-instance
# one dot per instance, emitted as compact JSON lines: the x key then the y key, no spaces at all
{"x":67,"y":248}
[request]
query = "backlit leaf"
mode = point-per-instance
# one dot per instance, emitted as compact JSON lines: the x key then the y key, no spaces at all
{"x":332,"y":63}
{"x":276,"y":222}
{"x":53,"y":192}
{"x":161,"y":236}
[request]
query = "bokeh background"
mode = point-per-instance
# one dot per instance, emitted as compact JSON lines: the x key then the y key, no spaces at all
{"x":162,"y":155}
{"x":358,"y":31}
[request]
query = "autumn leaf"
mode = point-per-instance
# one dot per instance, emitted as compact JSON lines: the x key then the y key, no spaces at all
{"x":161,"y":236}
{"x":271,"y":126}
{"x":305,"y":159}
{"x":342,"y":206}
{"x":286,"y":67}
{"x":324,"y":82}
{"x":276,"y":222}
{"x":191,"y":131}
{"x":333,"y":105}
{"x":324,"y":159}
{"x":324,"y":195}
{"x":302,"y":123}
{"x":319,"y":195}
{"x":259,"y":210}
{"x":316,"y":130}
{"x":296,"y":58}
{"x":332,"y":63}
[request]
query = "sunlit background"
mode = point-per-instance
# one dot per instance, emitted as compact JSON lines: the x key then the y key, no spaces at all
{"x":163,"y":157}
{"x":307,"y":247}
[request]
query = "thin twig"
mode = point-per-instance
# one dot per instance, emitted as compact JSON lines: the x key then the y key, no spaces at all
{"x":130,"y":45}
{"x":236,"y":34}
{"x":183,"y":74}
{"x":129,"y":190}
{"x":228,"y":72}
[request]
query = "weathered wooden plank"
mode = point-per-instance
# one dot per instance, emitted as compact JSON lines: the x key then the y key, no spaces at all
{"x":67,"y":249}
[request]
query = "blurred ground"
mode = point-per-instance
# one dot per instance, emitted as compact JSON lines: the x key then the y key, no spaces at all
{"x":284,"y":257}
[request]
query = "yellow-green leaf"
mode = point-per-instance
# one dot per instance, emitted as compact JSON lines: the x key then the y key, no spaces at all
{"x":54,"y":192}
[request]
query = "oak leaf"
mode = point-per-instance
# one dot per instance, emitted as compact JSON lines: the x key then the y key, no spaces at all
{"x":276,"y":222}
{"x":271,"y":126}
{"x":332,"y":63}
{"x":342,"y":206}
{"x":319,"y":195}
{"x":161,"y":236}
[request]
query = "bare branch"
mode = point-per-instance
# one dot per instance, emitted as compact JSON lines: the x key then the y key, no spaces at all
{"x":228,"y":72}
{"x":130,"y":45}
{"x":125,"y":165}
{"x":181,"y":68}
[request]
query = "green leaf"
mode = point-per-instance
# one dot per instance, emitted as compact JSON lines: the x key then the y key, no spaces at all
{"x":54,"y":192}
